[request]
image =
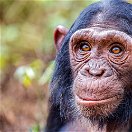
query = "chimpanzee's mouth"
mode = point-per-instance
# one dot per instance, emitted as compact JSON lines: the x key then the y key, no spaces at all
{"x":91,"y":102}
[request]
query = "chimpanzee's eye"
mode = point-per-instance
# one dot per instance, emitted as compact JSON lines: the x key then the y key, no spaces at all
{"x":84,"y":46}
{"x":116,"y":50}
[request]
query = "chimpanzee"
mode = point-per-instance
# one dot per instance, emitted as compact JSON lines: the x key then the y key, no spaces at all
{"x":91,"y":88}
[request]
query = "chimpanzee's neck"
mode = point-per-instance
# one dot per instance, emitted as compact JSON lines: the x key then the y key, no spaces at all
{"x":89,"y":127}
{"x":114,"y":128}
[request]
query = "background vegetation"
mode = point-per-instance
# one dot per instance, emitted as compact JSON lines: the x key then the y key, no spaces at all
{"x":26,"y":58}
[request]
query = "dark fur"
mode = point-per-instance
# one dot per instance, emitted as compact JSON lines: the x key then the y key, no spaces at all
{"x":61,"y":109}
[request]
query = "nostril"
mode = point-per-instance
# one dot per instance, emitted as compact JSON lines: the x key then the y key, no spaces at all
{"x":96,"y":72}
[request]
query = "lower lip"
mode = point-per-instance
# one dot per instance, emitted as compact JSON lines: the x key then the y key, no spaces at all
{"x":93,"y":102}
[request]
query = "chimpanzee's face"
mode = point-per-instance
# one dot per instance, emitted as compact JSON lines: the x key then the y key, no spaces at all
{"x":101,"y":64}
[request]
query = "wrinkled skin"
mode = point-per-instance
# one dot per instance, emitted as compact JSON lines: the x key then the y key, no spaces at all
{"x":99,"y":75}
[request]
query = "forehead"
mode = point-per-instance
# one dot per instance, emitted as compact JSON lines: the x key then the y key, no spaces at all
{"x":101,"y":33}
{"x":101,"y":36}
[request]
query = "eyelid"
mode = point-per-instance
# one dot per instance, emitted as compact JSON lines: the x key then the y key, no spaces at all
{"x":81,"y":41}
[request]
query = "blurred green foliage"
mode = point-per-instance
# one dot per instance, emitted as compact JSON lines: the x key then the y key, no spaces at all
{"x":27,"y":36}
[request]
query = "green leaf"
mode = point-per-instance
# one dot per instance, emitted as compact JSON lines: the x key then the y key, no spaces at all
{"x":36,"y":128}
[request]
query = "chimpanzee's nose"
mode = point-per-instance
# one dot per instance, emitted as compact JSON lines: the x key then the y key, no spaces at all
{"x":96,"y":72}
{"x":96,"y":68}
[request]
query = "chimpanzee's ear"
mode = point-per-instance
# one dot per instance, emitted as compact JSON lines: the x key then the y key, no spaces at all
{"x":59,"y":35}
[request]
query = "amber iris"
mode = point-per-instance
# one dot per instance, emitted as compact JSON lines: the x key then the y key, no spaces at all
{"x":84,"y":46}
{"x":116,"y":50}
